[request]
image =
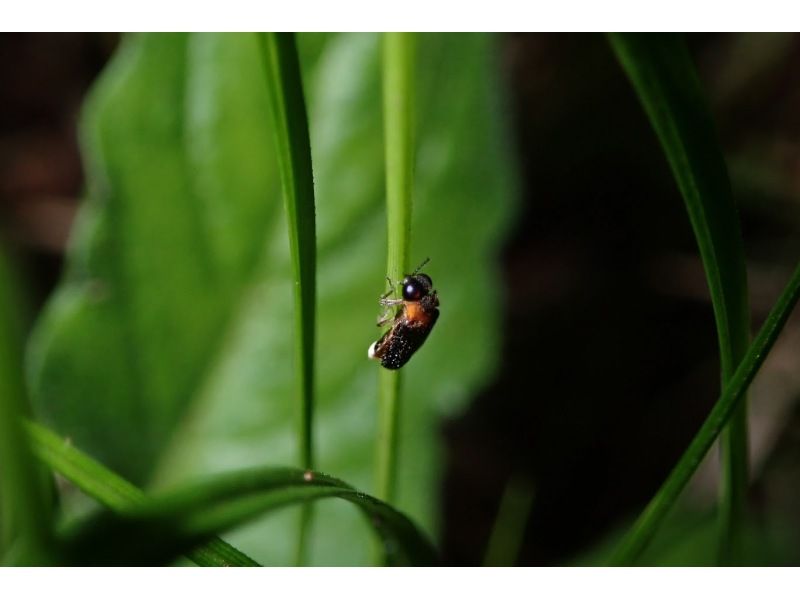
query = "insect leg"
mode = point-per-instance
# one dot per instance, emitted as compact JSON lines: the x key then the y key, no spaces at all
{"x":390,"y":302}
{"x":387,"y":317}
{"x":384,"y":298}
{"x":390,"y":291}
{"x":388,"y":311}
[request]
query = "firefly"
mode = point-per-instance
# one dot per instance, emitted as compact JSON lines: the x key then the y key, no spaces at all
{"x":412,"y":319}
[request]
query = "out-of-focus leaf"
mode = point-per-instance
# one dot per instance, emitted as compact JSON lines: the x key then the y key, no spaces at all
{"x":25,"y":516}
{"x":508,"y":532}
{"x":182,"y":195}
{"x":688,"y":539}
{"x":158,"y":530}
{"x":173,"y":329}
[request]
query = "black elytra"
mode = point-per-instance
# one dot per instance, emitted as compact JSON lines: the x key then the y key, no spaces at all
{"x":415,"y":317}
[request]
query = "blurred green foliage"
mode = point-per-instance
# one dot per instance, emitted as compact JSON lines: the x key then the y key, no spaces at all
{"x":25,"y":507}
{"x":167,"y":351}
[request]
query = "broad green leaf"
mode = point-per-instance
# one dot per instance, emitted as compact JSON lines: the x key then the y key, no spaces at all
{"x":167,"y":351}
{"x":169,"y":237}
{"x":661,"y":70}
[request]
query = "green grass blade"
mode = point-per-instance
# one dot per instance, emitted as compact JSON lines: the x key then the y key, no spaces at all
{"x":398,"y":109}
{"x":162,"y":527}
{"x":115,"y":492}
{"x":646,"y":525}
{"x":293,"y":145}
{"x":661,"y":70}
{"x":288,"y":109}
{"x":26,"y":516}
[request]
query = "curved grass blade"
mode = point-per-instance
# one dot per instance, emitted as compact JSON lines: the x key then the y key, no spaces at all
{"x":161,"y":528}
{"x":293,"y":145}
{"x":646,"y":525}
{"x":398,"y":108}
{"x":115,"y":492}
{"x":26,"y":519}
{"x":661,"y":70}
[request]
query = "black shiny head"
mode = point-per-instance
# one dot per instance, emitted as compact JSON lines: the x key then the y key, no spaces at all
{"x":416,"y":286}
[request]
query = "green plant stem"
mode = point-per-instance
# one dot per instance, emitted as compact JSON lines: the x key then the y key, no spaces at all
{"x":637,"y":539}
{"x":662,"y":73}
{"x":26,"y":514}
{"x":398,"y":71}
{"x":114,"y":492}
{"x":292,"y":142}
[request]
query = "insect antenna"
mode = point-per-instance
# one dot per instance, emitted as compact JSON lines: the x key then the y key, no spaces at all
{"x":418,"y":268}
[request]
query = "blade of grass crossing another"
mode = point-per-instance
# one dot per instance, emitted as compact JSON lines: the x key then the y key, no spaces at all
{"x":116,"y":493}
{"x":646,"y":525}
{"x":159,"y":529}
{"x":661,"y":71}
{"x":293,"y":145}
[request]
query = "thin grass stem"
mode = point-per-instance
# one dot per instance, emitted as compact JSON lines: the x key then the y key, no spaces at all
{"x":398,"y":107}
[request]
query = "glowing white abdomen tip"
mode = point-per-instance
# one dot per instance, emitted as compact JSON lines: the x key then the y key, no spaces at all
{"x":371,"y":350}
